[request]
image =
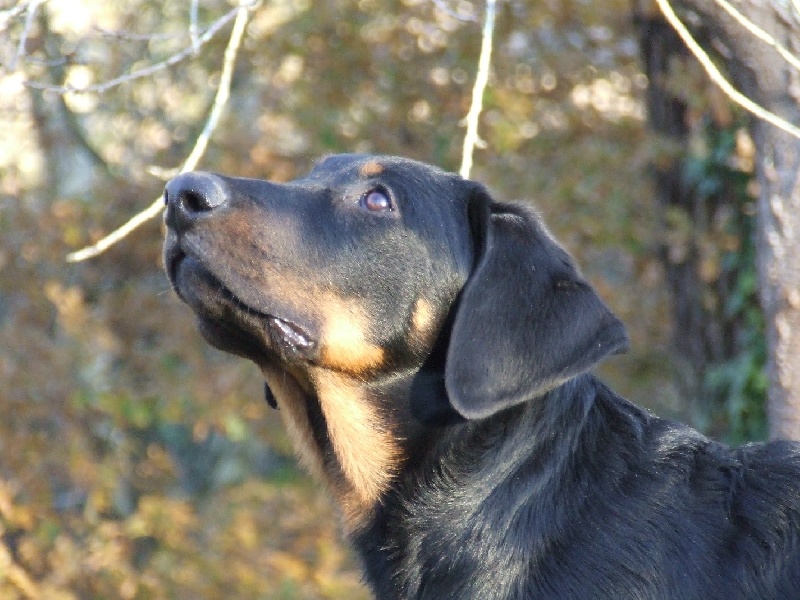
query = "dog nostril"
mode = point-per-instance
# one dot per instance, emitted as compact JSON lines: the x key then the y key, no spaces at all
{"x":195,"y":202}
{"x":196,"y":192}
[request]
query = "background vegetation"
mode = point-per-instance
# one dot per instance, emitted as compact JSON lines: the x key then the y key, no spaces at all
{"x":136,"y":462}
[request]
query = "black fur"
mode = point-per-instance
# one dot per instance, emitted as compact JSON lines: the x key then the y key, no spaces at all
{"x":523,"y":476}
{"x":581,"y":494}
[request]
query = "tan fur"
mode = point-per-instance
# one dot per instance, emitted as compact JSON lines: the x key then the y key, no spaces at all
{"x":371,"y":169}
{"x":366,"y":451}
{"x":422,"y":318}
{"x":355,"y":512}
{"x":290,"y":398}
{"x":344,"y":345}
{"x":365,"y":447}
{"x":342,"y":323}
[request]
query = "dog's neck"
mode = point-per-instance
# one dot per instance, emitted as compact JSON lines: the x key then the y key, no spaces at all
{"x":430,"y":476}
{"x":523,"y":452}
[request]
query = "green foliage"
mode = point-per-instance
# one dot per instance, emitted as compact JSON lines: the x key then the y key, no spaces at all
{"x":737,"y":385}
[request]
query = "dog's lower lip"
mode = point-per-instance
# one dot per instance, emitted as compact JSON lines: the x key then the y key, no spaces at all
{"x":291,"y":333}
{"x":173,"y":264}
{"x":174,"y":258}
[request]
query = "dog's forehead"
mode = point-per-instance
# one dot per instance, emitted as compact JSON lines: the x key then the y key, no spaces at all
{"x":345,"y":168}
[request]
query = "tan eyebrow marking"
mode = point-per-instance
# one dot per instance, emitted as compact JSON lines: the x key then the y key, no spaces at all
{"x":371,"y":168}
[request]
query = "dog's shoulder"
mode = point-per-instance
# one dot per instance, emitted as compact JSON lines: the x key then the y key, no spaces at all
{"x":585,"y":489}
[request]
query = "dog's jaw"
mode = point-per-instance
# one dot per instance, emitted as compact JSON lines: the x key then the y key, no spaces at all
{"x":228,"y":323}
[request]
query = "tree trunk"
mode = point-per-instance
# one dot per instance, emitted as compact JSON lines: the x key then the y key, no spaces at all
{"x":765,"y":77}
{"x":779,"y":265}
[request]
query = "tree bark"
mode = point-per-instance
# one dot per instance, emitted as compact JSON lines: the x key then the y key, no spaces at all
{"x":765,"y":77}
{"x":779,"y":266}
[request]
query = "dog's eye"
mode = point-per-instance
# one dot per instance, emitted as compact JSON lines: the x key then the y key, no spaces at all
{"x":376,"y":201}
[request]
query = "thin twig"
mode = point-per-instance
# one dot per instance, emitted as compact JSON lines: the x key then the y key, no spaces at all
{"x":717,"y":77}
{"x":443,"y":7}
{"x":99,"y":88}
{"x":130,"y":36}
{"x":23,"y":40}
{"x":223,"y":91}
{"x":471,"y":138}
{"x":56,"y":62}
{"x":193,"y":11}
{"x":8,"y":15}
{"x":220,"y":100}
{"x":759,"y":33}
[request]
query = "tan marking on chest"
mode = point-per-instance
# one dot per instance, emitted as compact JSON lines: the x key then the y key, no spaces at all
{"x":366,"y":448}
{"x":292,"y":408}
{"x":371,"y":169}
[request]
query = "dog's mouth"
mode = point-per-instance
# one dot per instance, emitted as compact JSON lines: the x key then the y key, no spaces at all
{"x":228,"y":322}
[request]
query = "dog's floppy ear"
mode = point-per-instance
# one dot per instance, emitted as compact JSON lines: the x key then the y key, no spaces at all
{"x":526,"y":320}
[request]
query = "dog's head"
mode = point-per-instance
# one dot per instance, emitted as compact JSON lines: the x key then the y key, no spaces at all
{"x":342,"y":269}
{"x":372,"y":287}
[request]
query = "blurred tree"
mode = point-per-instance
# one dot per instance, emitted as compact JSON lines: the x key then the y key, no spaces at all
{"x":765,"y":75}
{"x":704,"y":188}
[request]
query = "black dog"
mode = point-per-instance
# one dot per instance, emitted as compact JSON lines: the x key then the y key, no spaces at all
{"x":428,"y":349}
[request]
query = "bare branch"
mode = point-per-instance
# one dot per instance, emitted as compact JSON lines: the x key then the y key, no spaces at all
{"x":718,"y":78}
{"x":223,"y":91}
{"x":32,"y":7}
{"x":99,"y":88}
{"x":8,"y":15}
{"x":56,"y":62}
{"x":220,"y":100}
{"x":471,"y":138}
{"x":193,"y":10}
{"x":134,"y":37}
{"x":759,"y":33}
{"x":443,"y":7}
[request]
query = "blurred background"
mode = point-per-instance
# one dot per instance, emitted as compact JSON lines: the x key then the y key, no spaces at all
{"x":137,"y":462}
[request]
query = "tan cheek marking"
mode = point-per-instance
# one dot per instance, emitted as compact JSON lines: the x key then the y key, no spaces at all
{"x":344,"y":326}
{"x":344,"y":346}
{"x":292,"y":405}
{"x":371,"y":169}
{"x":422,"y":318}
{"x":343,"y":340}
{"x":365,"y":447}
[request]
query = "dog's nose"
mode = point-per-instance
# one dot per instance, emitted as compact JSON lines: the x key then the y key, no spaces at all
{"x":190,"y":194}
